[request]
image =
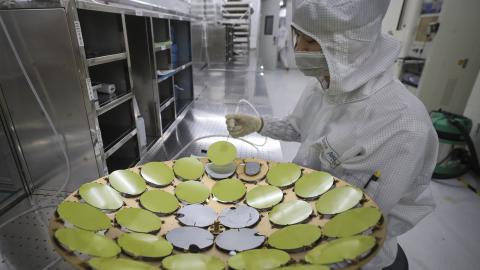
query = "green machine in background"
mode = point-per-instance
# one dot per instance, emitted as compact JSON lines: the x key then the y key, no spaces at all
{"x":456,"y":155}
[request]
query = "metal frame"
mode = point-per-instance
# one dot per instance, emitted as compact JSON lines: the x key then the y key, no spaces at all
{"x":82,"y":68}
{"x":238,"y":41}
{"x":181,"y":68}
{"x":90,"y":99}
{"x":167,"y":103}
{"x":158,"y":144}
{"x":159,"y":107}
{"x":106,"y":59}
{"x":135,"y":8}
{"x":113,"y":6}
{"x":114,"y":103}
{"x":173,"y":99}
{"x":120,"y":143}
{"x":94,"y":112}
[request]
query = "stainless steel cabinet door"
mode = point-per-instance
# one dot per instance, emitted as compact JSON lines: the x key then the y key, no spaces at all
{"x":42,"y":39}
{"x":11,"y":183}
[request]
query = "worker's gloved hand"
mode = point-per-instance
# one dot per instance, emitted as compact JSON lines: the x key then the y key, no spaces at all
{"x":240,"y":125}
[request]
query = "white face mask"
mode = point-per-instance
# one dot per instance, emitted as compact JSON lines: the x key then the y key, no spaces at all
{"x":312,"y":64}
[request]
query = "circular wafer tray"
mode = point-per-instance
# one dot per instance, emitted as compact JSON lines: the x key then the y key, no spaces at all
{"x":260,"y":225}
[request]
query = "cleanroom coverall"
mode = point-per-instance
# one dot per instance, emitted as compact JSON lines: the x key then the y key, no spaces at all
{"x":365,"y":119}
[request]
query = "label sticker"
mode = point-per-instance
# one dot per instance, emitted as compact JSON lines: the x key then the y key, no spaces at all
{"x":78,"y":30}
{"x":98,"y":148}
{"x":329,"y":154}
{"x":99,"y":137}
{"x":99,"y":143}
{"x":91,"y":95}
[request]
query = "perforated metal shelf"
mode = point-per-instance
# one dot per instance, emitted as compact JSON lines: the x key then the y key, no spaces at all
{"x":25,"y":243}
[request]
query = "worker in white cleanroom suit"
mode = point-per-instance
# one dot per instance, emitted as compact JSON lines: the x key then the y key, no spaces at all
{"x":355,"y":117}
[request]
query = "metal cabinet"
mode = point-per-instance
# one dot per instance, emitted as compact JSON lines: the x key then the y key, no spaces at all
{"x":146,"y":58}
{"x":114,"y":77}
{"x":37,"y":59}
{"x":236,"y":17}
{"x":160,"y":50}
{"x":103,"y":46}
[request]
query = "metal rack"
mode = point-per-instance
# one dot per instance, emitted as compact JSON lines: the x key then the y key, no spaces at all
{"x":160,"y":62}
{"x":147,"y":103}
{"x":107,"y":61}
{"x":236,"y":14}
{"x":93,"y":45}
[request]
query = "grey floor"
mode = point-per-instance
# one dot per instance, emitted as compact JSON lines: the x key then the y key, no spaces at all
{"x":446,"y":239}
